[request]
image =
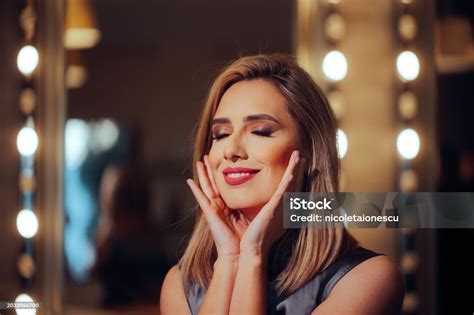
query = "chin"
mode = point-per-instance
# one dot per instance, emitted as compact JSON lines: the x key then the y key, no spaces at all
{"x":243,"y":203}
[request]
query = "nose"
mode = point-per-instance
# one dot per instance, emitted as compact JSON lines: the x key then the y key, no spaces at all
{"x":235,"y":148}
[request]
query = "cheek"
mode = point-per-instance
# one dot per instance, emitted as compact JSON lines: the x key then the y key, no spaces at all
{"x":275,"y":157}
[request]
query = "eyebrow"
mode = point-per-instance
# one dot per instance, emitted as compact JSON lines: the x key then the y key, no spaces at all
{"x":246,"y":119}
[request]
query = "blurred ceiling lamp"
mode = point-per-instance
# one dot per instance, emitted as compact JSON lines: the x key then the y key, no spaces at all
{"x":81,"y":25}
{"x":408,"y":143}
{"x":342,"y":143}
{"x":408,"y":66}
{"x":335,"y":65}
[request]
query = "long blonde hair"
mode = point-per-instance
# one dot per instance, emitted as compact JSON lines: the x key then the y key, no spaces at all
{"x":312,"y":249}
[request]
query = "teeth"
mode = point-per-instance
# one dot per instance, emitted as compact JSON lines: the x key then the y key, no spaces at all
{"x":237,"y":175}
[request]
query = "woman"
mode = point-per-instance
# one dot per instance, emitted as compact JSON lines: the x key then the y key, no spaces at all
{"x":264,"y":115}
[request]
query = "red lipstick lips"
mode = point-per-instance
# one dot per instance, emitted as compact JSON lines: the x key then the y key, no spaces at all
{"x":238,"y":175}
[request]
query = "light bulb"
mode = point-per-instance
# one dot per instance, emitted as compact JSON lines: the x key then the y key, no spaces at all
{"x":408,"y":65}
{"x":25,"y":298}
{"x":342,"y":143}
{"x":27,"y":141}
{"x":335,"y":65}
{"x":27,"y":60}
{"x":408,"y":143}
{"x":27,"y":223}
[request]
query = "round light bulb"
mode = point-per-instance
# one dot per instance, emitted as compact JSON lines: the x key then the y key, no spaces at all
{"x":407,"y":105}
{"x":23,"y":297}
{"x":407,"y":27}
{"x":27,"y":223}
{"x":27,"y":141}
{"x":408,"y":180}
{"x":408,"y":65}
{"x":335,"y":27}
{"x":335,"y":65}
{"x":342,"y":143}
{"x":27,"y":60}
{"x":408,"y":143}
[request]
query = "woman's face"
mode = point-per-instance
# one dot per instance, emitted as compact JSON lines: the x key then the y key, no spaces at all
{"x":253,"y":138}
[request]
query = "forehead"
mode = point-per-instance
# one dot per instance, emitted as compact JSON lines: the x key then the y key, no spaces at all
{"x":246,"y":98}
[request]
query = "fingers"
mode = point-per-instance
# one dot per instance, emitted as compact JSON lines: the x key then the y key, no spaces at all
{"x":204,"y":181}
{"x":285,"y":181}
{"x":199,"y":195}
{"x":294,"y":159}
{"x":211,"y":175}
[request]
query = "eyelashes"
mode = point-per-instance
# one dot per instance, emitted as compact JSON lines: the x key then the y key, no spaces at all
{"x":261,"y":133}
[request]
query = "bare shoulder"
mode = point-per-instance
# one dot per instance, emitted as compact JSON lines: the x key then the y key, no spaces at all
{"x":173,"y":298}
{"x":375,"y":286}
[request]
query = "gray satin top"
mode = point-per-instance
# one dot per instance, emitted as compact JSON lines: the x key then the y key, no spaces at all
{"x":305,"y":299}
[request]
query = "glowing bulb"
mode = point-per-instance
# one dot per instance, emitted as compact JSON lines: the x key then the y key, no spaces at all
{"x":408,"y":105}
{"x":408,"y":143}
{"x":342,"y":143}
{"x":335,"y":65}
{"x":25,"y":311}
{"x":27,"y":141}
{"x":335,"y":27}
{"x":27,"y":60}
{"x":27,"y":223}
{"x":408,"y":66}
{"x":408,"y":180}
{"x":407,"y":27}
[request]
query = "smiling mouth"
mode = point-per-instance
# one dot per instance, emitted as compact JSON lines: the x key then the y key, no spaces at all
{"x":238,"y":175}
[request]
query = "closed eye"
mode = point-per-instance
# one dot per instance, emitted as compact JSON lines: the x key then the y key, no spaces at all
{"x":219,"y":136}
{"x":263,"y":132}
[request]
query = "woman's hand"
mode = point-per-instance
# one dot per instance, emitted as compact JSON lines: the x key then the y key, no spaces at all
{"x":232,"y":232}
{"x":267,"y":226}
{"x":226,"y":225}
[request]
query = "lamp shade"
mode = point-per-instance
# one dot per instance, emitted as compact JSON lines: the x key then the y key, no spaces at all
{"x":81,"y":25}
